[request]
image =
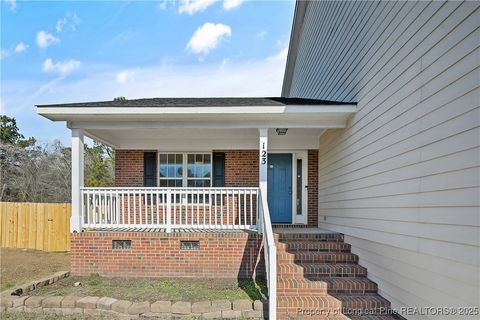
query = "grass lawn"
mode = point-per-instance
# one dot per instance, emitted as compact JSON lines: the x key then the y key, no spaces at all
{"x":19,"y":266}
{"x":143,"y":289}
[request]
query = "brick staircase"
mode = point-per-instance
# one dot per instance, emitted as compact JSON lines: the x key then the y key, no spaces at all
{"x":317,"y":274}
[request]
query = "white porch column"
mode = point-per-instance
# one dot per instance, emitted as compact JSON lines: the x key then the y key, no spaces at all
{"x":77,"y":180}
{"x":263,"y":160}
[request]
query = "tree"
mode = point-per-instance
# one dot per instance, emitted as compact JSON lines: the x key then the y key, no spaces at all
{"x":10,"y":134}
{"x":99,"y":166}
{"x":30,"y":172}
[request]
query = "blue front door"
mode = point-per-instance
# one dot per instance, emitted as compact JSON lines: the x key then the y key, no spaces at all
{"x":280,"y":187}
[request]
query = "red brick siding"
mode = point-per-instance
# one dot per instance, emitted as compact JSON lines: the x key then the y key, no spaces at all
{"x":312,"y":188}
{"x":158,"y":254}
{"x":241,"y":168}
{"x":129,"y":168}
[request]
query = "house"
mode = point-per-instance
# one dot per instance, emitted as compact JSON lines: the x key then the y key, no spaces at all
{"x":368,"y":161}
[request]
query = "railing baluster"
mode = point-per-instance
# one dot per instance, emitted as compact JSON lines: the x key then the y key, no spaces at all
{"x":134,"y":207}
{"x":244,"y":208}
{"x":227,"y":198}
{"x":169,"y":212}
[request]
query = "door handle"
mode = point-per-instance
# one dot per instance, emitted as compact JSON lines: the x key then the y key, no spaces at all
{"x":290,"y":191}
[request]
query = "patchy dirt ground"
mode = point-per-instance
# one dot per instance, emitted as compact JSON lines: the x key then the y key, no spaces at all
{"x":143,"y":289}
{"x":19,"y":266}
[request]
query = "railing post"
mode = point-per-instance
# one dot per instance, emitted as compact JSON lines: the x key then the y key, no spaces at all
{"x":169,"y":211}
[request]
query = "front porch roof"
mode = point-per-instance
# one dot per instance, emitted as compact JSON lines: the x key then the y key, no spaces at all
{"x":128,"y":123}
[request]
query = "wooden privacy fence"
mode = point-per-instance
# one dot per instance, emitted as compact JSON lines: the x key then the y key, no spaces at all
{"x":41,"y":226}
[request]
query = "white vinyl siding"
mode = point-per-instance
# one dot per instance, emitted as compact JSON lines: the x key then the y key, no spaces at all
{"x":402,"y":180}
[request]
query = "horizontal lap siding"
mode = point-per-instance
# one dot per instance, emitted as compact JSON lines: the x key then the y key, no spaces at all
{"x":402,"y":180}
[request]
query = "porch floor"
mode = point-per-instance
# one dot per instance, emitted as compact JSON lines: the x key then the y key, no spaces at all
{"x":174,"y":230}
{"x":304,"y":230}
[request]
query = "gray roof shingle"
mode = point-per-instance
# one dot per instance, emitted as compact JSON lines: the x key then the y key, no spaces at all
{"x":198,"y":102}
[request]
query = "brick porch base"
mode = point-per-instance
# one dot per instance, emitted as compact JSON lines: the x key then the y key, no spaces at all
{"x":226,"y":254}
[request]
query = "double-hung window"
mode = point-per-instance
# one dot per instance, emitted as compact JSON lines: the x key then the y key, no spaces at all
{"x":185,"y":169}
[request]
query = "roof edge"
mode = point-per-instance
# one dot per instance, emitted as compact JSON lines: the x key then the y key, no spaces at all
{"x":297,"y":26}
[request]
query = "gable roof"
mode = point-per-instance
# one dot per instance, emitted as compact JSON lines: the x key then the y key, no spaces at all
{"x":197,"y":102}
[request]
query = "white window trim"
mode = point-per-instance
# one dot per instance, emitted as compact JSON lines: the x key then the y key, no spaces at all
{"x":185,"y":177}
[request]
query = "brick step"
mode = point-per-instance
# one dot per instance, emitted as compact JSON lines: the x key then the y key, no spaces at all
{"x":315,"y":271}
{"x":300,"y":287}
{"x":368,"y":303}
{"x":320,"y":257}
{"x":323,"y":286}
{"x":313,"y":246}
{"x":350,"y":285}
{"x":284,"y":237}
{"x":292,"y":314}
{"x":375,"y":317}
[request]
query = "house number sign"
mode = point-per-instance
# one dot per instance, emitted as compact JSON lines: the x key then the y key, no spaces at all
{"x":263,"y":153}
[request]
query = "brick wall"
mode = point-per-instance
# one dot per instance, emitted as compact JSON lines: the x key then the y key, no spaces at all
{"x":312,"y":188}
{"x":241,"y":170}
{"x":129,"y":168}
{"x":158,"y":254}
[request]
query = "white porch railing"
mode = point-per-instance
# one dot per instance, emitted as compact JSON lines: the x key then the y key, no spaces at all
{"x":195,"y":208}
{"x":269,"y":250}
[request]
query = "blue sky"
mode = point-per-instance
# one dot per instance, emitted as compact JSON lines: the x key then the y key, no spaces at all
{"x":73,"y":51}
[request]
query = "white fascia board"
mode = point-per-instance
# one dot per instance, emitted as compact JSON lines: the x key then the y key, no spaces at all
{"x":64,"y":112}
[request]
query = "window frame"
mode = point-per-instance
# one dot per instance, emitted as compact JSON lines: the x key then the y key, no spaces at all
{"x":185,"y":177}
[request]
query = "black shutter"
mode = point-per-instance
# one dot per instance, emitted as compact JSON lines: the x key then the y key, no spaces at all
{"x":150,"y":169}
{"x":218,"y":169}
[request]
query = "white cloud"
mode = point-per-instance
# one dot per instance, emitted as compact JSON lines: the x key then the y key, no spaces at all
{"x":162,"y":5}
{"x":4,"y":53}
{"x":207,"y":37}
{"x":70,"y":19}
{"x":124,"y":76}
{"x":44,"y":39}
{"x":60,"y":24}
{"x":21,"y":47}
{"x":261,"y":34}
{"x":12,"y":4}
{"x":230,"y":4}
{"x":192,"y":6}
{"x":64,"y":67}
{"x":281,"y":56}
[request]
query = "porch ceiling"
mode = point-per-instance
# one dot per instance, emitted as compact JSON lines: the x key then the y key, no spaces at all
{"x":150,"y":123}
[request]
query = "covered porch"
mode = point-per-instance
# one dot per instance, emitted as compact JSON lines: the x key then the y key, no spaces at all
{"x":169,"y":170}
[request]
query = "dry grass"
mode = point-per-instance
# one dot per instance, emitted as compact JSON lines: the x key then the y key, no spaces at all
{"x":147,"y":289}
{"x":19,"y":266}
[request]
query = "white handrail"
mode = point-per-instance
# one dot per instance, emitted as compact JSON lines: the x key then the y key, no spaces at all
{"x":269,"y":250}
{"x":169,"y":208}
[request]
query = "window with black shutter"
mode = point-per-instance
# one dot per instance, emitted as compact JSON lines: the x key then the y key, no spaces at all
{"x":218,"y":169}
{"x":149,"y":169}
